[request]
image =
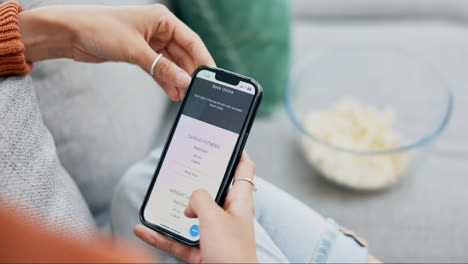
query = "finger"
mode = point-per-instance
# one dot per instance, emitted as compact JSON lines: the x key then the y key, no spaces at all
{"x":184,"y":60}
{"x":169,"y":89}
{"x":168,"y":56}
{"x":181,"y":57}
{"x":192,"y":43}
{"x":240,"y":195}
{"x":202,"y":206}
{"x":165,"y":69}
{"x":179,"y":250}
{"x":173,"y":74}
{"x":245,"y":168}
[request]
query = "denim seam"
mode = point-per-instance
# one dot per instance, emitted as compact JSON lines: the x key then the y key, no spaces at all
{"x":327,"y":239}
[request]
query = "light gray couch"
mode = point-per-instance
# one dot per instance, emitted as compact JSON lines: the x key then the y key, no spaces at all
{"x":105,"y":117}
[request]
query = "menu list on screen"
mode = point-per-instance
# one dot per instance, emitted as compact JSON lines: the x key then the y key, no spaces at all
{"x":199,"y":152}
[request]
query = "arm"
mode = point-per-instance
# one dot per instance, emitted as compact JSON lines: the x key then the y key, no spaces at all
{"x":134,"y":35}
{"x":23,"y":242}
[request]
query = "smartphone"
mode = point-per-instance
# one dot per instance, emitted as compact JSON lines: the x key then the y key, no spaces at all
{"x":202,"y":150}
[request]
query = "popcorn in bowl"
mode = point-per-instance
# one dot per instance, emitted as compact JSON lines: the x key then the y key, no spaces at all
{"x":350,"y":125}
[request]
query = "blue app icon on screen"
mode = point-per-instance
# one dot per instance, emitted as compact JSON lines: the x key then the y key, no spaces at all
{"x":194,"y":230}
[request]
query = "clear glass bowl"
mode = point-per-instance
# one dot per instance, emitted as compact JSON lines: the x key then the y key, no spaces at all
{"x":377,"y":77}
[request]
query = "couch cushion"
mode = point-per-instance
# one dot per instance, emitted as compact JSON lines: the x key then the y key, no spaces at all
{"x":103,"y":117}
{"x":31,"y":177}
{"x":248,"y":37}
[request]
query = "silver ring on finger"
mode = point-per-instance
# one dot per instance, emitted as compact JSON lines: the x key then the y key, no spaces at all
{"x":153,"y":66}
{"x":247,"y":180}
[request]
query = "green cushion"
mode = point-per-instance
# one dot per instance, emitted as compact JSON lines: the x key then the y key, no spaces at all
{"x":251,"y":37}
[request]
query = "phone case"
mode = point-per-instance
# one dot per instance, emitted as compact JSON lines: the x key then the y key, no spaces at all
{"x":243,"y":135}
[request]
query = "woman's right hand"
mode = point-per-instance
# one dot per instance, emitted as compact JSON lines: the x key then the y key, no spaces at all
{"x":135,"y":35}
{"x":226,"y":234}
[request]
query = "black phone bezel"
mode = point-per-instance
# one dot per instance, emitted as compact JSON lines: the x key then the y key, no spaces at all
{"x":234,"y":160}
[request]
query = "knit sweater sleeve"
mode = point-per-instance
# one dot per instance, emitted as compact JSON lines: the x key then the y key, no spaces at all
{"x":12,"y":59}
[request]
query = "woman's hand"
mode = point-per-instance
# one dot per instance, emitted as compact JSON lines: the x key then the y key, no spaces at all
{"x":128,"y":34}
{"x":226,"y":235}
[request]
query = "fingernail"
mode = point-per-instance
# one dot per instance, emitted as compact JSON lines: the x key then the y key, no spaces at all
{"x":182,"y":79}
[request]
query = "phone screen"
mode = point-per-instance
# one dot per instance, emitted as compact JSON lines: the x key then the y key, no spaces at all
{"x":200,"y":150}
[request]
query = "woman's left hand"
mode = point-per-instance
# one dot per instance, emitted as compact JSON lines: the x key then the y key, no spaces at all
{"x":128,"y":34}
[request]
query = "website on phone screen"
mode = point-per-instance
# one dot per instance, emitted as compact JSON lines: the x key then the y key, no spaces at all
{"x":200,"y":150}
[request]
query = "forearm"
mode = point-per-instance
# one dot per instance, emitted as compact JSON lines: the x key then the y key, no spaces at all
{"x":45,"y":34}
{"x":95,"y":34}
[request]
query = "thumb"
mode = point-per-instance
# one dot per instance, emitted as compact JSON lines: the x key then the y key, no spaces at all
{"x":202,"y":205}
{"x":165,"y":71}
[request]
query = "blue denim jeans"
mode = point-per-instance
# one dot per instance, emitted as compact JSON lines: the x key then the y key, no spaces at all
{"x":286,"y":230}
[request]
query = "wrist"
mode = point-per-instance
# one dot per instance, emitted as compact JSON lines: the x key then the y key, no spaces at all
{"x":45,"y":34}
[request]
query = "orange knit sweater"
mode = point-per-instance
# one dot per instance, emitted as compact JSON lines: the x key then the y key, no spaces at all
{"x":12,"y":59}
